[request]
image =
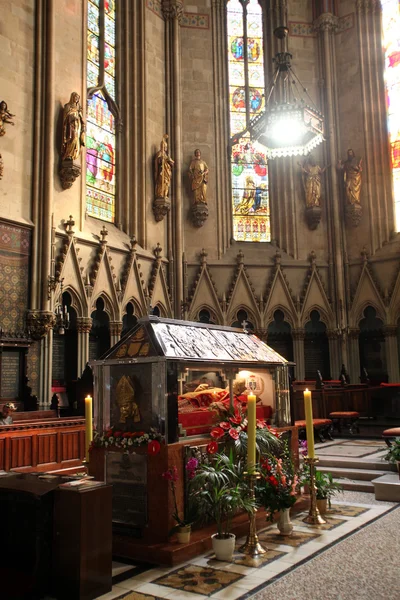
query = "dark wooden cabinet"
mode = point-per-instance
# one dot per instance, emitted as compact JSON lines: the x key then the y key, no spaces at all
{"x":82,"y":561}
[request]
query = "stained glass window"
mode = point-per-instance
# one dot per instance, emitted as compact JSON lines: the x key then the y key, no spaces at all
{"x":101,"y":117}
{"x":249,"y":168}
{"x":391,"y":45}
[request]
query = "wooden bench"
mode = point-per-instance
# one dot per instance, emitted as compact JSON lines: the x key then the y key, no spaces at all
{"x":347,"y":419}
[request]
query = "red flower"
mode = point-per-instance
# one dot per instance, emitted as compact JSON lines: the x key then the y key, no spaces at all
{"x":212,"y":448}
{"x":260,"y":424}
{"x":233,"y":433}
{"x":274,"y":480}
{"x":118,"y":434}
{"x":236,"y":420}
{"x":224,"y":425}
{"x":126,"y":435}
{"x":153,"y":447}
{"x":265,"y":464}
{"x":109,"y":433}
{"x":217,"y":432}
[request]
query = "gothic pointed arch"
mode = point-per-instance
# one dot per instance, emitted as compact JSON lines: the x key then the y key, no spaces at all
{"x":204,"y":294}
{"x":279,"y":297}
{"x":158,"y":286}
{"x":132,"y":282}
{"x":104,"y":285}
{"x":315,"y":297}
{"x":367,"y":293}
{"x":242,"y":294}
{"x":70,"y":271}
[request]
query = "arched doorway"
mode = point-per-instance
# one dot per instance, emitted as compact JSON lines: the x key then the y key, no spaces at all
{"x":129,"y":319}
{"x":205,"y":316}
{"x":371,"y":343}
{"x":99,"y":338}
{"x":241,"y":318}
{"x":316,"y":348}
{"x":280,"y":335}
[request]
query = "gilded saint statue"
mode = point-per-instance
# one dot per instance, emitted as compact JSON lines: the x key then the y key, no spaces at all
{"x":73,"y":135}
{"x":125,"y":398}
{"x":5,"y":117}
{"x":163,"y":164}
{"x":198,"y":173}
{"x":311,"y":175}
{"x":352,"y":169}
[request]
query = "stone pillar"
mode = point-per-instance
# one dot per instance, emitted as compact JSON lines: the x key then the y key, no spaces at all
{"x":40,"y":326}
{"x":298,"y":336}
{"x":326,"y":25}
{"x":83,"y":326}
{"x":335,"y":352}
{"x":173,"y":12}
{"x":392,"y":353}
{"x":354,"y":366}
{"x":115,"y":332}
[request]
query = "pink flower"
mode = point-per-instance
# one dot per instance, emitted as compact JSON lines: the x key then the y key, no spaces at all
{"x":261,"y":424}
{"x":234,"y":433}
{"x":217,"y":432}
{"x":212,"y":448}
{"x":283,"y":479}
{"x":171,"y":474}
{"x":224,"y":425}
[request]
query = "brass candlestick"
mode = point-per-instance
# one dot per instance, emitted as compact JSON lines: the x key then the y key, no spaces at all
{"x":314,"y":516}
{"x":252,"y":546}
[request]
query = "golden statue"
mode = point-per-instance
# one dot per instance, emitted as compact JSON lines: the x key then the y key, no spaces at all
{"x":163,"y":164}
{"x":198,"y":173}
{"x":311,"y":180}
{"x":352,"y":169}
{"x":125,"y":398}
{"x":73,"y":136}
{"x":5,"y":117}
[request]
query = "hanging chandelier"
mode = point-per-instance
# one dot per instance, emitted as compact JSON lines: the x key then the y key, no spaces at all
{"x":291,"y":126}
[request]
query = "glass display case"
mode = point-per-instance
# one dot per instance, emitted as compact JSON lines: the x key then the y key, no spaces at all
{"x":164,"y":369}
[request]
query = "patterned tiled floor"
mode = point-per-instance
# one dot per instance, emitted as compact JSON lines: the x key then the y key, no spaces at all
{"x":205,"y":577}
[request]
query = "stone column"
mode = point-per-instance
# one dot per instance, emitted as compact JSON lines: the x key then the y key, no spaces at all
{"x":326,"y":25}
{"x":354,"y":356}
{"x":115,"y":332}
{"x":392,"y":353}
{"x":298,"y":336}
{"x":83,"y":326}
{"x":173,"y":12}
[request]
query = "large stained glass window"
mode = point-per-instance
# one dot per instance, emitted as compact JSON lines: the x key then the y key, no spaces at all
{"x":391,"y":44}
{"x":249,"y":168}
{"x":101,"y":110}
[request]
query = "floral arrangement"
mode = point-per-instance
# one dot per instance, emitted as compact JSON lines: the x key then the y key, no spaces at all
{"x":279,"y":483}
{"x":171,"y":475}
{"x":233,"y":429}
{"x":128,"y":439}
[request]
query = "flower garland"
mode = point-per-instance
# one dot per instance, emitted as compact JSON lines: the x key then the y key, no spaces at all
{"x":128,"y":439}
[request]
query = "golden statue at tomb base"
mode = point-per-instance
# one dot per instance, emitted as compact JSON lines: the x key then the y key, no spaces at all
{"x":125,"y":399}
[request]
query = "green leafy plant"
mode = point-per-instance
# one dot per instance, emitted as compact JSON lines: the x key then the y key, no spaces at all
{"x":326,"y":487}
{"x":393,"y":454}
{"x":219,"y":491}
{"x":279,"y":484}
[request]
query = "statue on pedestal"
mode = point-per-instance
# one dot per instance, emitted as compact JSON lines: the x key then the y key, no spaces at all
{"x":163,"y":165}
{"x":198,"y":173}
{"x":311,"y":176}
{"x":73,"y":139}
{"x":352,"y":170}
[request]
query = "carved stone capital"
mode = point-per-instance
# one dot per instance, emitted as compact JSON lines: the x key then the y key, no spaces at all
{"x":161,"y":207}
{"x":172,"y":9}
{"x":39,"y":323}
{"x":313,"y":216}
{"x":69,"y":171}
{"x":83,"y":324}
{"x":390,"y":331}
{"x":366,"y":6}
{"x":115,"y":328}
{"x":333,"y":334}
{"x":298,"y":334}
{"x":219,"y":3}
{"x":354,"y":333}
{"x":326,"y":22}
{"x":353,"y":214}
{"x":199,"y":214}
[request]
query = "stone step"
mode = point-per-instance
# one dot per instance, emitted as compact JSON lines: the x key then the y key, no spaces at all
{"x":356,"y":485}
{"x":354,"y":463}
{"x":353,"y":473}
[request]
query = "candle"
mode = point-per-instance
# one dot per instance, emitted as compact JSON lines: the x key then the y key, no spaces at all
{"x":251,"y":431}
{"x":309,"y":424}
{"x":89,"y":425}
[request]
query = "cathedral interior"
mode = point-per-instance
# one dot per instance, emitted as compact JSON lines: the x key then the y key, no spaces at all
{"x":137,"y":177}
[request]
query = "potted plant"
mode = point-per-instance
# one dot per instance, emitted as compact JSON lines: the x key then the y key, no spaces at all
{"x":183,"y":527}
{"x":326,"y":488}
{"x":278,"y":488}
{"x":219,"y":491}
{"x":393,"y":455}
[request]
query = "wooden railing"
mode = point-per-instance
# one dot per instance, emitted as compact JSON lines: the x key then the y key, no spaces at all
{"x":45,"y":445}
